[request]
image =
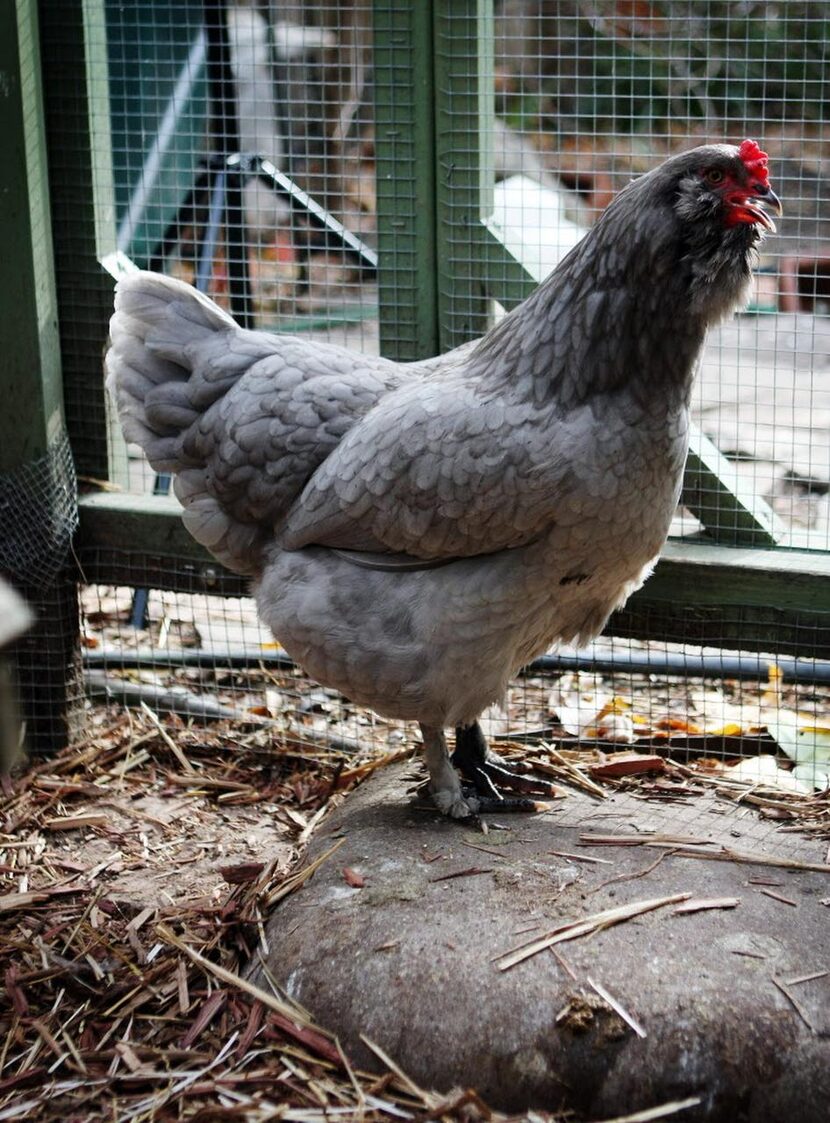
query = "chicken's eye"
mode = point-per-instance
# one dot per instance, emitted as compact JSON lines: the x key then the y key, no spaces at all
{"x":714,"y":176}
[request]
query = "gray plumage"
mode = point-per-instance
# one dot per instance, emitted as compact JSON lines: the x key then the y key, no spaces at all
{"x":418,"y":532}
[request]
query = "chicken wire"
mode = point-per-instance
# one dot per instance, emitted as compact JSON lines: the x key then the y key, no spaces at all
{"x":192,"y":84}
{"x":601,"y":92}
{"x":585,"y":96}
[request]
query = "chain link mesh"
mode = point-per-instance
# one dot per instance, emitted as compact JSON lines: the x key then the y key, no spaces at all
{"x":39,"y":515}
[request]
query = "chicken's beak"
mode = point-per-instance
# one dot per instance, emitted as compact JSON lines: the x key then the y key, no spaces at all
{"x":760,"y":203}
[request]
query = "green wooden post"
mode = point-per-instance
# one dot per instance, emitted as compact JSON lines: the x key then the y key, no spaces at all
{"x":76,"y":97}
{"x":464,"y":112}
{"x":404,"y":150}
{"x":38,"y":504}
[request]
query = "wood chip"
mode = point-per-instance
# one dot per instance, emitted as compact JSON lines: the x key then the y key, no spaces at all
{"x":793,"y":1001}
{"x":617,"y":1007}
{"x":473,"y":871}
{"x":572,"y":773}
{"x":77,"y":822}
{"x":661,"y":1112}
{"x":627,"y":764}
{"x":588,"y":925}
{"x":701,"y":904}
{"x":168,"y":740}
{"x":580,"y":857}
{"x":641,"y":840}
{"x":779,"y":897}
{"x":681,"y":848}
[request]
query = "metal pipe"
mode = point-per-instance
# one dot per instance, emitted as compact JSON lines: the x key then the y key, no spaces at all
{"x":670,"y":664}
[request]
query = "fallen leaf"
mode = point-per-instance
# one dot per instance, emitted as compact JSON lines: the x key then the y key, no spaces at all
{"x":766,"y":770}
{"x":627,"y":764}
{"x":242,"y":873}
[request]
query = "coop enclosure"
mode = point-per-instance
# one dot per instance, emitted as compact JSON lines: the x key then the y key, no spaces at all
{"x":392,"y":176}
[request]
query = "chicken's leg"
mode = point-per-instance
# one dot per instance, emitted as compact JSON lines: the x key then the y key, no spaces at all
{"x":482,"y":769}
{"x":488,"y":772}
{"x":444,"y":785}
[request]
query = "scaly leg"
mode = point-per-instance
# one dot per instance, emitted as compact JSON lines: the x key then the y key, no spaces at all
{"x":444,"y":785}
{"x":487,"y":771}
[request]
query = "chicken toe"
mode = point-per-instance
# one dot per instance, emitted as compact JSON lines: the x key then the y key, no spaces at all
{"x":444,"y":785}
{"x":487,"y":773}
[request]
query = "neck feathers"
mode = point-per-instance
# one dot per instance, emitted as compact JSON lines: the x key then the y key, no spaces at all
{"x":627,"y":309}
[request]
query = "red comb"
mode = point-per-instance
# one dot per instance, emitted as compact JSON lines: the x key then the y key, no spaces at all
{"x":755,"y":161}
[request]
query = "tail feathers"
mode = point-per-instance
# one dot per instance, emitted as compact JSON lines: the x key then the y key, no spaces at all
{"x":170,"y":357}
{"x":172,"y":354}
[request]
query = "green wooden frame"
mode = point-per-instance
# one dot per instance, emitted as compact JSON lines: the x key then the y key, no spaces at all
{"x":442,"y":264}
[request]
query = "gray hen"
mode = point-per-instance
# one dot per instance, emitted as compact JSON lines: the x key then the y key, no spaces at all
{"x":417,"y":533}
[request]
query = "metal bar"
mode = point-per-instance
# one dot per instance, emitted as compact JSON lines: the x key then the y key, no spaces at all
{"x":336,"y":233}
{"x":746,"y":666}
{"x":210,"y":238}
{"x":403,"y":79}
{"x":185,"y":215}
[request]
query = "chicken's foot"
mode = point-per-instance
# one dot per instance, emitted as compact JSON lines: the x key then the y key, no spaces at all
{"x":444,"y":785}
{"x":487,"y":772}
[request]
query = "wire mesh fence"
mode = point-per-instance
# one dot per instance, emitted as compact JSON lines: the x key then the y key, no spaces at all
{"x":603,"y":92}
{"x":242,"y":152}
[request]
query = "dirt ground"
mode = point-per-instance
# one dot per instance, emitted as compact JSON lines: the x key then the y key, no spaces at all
{"x":140,"y":867}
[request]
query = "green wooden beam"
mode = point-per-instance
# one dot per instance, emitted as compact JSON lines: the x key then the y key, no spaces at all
{"x":721,"y":500}
{"x":73,"y":39}
{"x":403,"y":80}
{"x":140,"y":541}
{"x":31,"y":420}
{"x":37,"y":497}
{"x":774,"y":600}
{"x":464,"y":113}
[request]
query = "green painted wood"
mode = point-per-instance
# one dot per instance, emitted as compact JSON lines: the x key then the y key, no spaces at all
{"x":73,"y":38}
{"x":464,"y":111}
{"x":141,"y":541}
{"x":403,"y":81}
{"x":32,"y":431}
{"x":30,"y":374}
{"x":758,"y":599}
{"x":717,"y":496}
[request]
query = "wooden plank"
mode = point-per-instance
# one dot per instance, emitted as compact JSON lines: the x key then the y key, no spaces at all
{"x":30,"y":374}
{"x":738,"y":598}
{"x":464,"y":112}
{"x":73,"y":38}
{"x":403,"y":78}
{"x":32,"y":430}
{"x":140,"y":541}
{"x":721,"y":500}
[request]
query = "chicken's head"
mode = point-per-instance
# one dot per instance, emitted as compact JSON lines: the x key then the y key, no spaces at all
{"x":729,"y":186}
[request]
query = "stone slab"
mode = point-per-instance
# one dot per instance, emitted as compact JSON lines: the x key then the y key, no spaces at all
{"x":408,"y":959}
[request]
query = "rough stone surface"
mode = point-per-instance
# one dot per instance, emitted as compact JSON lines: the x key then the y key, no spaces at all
{"x":408,"y":959}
